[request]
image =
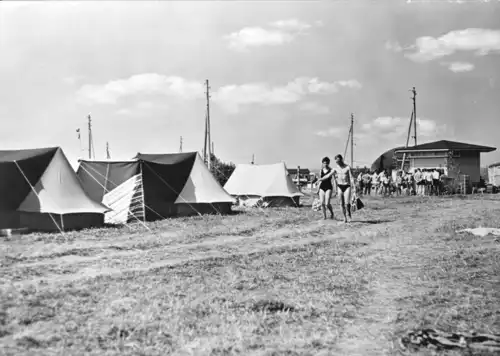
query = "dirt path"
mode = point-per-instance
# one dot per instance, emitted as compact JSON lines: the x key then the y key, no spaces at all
{"x":393,"y":261}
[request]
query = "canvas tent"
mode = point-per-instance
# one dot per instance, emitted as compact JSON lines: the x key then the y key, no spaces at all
{"x":267,"y":185}
{"x":386,"y":160}
{"x":154,"y":186}
{"x":494,"y":174}
{"x":40,"y":191}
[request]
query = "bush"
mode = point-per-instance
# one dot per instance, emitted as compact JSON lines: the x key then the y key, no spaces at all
{"x":221,"y":170}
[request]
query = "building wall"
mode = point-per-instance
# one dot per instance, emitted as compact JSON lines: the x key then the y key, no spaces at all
{"x":469,"y":163}
{"x":466,"y":163}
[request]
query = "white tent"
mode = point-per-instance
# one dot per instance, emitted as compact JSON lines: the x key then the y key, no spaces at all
{"x":267,"y":185}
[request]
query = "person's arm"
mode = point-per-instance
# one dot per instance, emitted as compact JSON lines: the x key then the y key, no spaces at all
{"x":328,"y":176}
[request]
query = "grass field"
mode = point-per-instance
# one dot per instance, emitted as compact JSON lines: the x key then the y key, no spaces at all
{"x":261,"y":282}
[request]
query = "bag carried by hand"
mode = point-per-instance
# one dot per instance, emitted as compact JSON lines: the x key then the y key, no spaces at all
{"x":357,"y":204}
{"x":316,"y":205}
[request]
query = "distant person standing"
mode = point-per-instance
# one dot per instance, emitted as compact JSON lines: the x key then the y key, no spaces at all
{"x":367,"y":182}
{"x":326,"y":187}
{"x":428,"y":179}
{"x":436,"y":182}
{"x":376,"y":182}
{"x":419,"y":182}
{"x":399,"y":183}
{"x":360,"y":184}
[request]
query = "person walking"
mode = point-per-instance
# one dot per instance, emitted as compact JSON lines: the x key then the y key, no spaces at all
{"x":326,"y":187}
{"x":344,"y":181}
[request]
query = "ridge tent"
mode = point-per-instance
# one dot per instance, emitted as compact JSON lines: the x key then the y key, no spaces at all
{"x":268,"y":185}
{"x":154,"y":186}
{"x":40,"y":191}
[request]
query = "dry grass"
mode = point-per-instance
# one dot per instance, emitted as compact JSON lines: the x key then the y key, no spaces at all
{"x":262,"y":282}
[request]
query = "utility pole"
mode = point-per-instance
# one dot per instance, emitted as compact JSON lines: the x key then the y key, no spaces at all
{"x":352,"y":140}
{"x":208,"y":141}
{"x":79,"y":141}
{"x":414,"y":114}
{"x":407,"y":140}
{"x":91,"y":143}
{"x":180,"y":147}
{"x":108,"y":154}
{"x":348,"y":139}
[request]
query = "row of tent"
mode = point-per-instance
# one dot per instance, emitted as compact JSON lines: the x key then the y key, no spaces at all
{"x":39,"y":189}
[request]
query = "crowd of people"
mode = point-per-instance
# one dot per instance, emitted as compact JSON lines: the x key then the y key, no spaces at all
{"x":348,"y":186}
{"x":422,"y":182}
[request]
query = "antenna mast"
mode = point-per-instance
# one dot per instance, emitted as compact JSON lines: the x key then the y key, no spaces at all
{"x":91,"y":142}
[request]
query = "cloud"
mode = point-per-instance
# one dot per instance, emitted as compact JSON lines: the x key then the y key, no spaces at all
{"x":142,"y":108}
{"x":72,"y":80}
{"x":141,"y":84}
{"x":393,"y":46}
{"x":315,"y":108}
{"x":336,"y":132}
{"x":390,"y":127}
{"x":229,"y":97}
{"x":232,"y":97}
{"x":459,"y":67}
{"x":480,"y":41}
{"x":278,"y":33}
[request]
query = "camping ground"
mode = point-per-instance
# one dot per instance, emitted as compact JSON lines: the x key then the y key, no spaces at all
{"x":259,"y":282}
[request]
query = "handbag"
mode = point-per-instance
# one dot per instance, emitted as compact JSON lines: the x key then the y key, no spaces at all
{"x":357,"y":204}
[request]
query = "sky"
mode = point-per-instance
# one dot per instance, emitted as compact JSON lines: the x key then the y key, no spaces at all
{"x":284,"y":76}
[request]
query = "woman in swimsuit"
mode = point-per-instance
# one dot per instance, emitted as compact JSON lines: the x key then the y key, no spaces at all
{"x":345,"y":182}
{"x":326,"y":187}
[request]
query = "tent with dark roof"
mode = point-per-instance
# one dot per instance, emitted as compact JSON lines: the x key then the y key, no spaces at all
{"x":154,"y":186}
{"x":385,"y":161}
{"x":40,"y":191}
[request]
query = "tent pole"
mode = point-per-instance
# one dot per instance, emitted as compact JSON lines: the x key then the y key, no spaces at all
{"x":143,"y":198}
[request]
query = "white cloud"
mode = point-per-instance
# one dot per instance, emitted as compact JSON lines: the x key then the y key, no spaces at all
{"x":72,"y":80}
{"x":480,"y":41}
{"x":229,"y":97}
{"x":278,"y":33}
{"x":393,"y":46}
{"x":149,"y":83}
{"x":458,"y":67}
{"x":315,"y":108}
{"x":336,"y":132}
{"x":390,"y":127}
{"x":232,"y":97}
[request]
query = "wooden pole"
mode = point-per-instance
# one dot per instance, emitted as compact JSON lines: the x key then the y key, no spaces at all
{"x":352,"y":141}
{"x":298,"y":177}
{"x":108,"y":154}
{"x":414,"y":114}
{"x":90,"y":135}
{"x":208,"y":136}
{"x":407,"y":141}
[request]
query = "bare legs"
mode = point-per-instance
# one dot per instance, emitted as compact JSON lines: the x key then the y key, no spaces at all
{"x":325,"y":198}
{"x":345,"y":203}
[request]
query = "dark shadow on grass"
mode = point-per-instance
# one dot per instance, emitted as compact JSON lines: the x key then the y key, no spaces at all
{"x":372,"y":222}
